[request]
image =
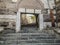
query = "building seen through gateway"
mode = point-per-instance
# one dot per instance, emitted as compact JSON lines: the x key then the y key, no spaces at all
{"x":29,"y":22}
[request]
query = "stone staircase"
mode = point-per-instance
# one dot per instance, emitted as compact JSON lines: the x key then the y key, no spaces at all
{"x":38,"y":38}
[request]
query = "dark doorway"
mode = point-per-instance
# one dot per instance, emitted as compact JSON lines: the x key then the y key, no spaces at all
{"x":29,"y":21}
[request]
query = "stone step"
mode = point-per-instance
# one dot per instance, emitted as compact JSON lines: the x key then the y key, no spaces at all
{"x":27,"y":34}
{"x":25,"y":41}
{"x":26,"y":37}
{"x":34,"y":44}
{"x":29,"y":41}
{"x":1,"y":42}
{"x":57,"y":41}
{"x":6,"y":31}
{"x":40,"y":44}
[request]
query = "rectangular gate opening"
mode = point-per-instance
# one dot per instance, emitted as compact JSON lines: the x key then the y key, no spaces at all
{"x":29,"y":21}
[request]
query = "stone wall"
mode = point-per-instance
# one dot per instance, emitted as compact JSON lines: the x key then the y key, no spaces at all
{"x":10,"y":20}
